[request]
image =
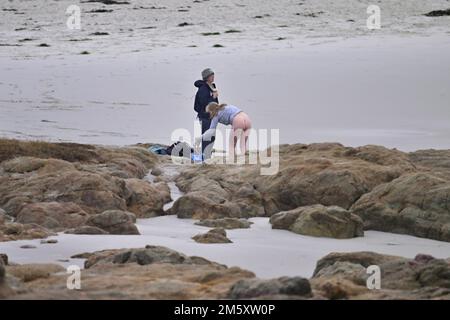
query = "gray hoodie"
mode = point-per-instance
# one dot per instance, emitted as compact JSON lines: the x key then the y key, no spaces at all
{"x":224,"y":116}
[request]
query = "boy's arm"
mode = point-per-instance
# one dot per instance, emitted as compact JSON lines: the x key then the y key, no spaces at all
{"x":212,"y":129}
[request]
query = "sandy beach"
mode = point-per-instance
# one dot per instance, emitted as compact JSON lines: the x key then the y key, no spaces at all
{"x":268,"y":253}
{"x":363,"y":119}
{"x":123,"y":91}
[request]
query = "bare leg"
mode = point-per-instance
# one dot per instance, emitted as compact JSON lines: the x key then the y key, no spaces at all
{"x":241,"y":130}
{"x":246,"y":135}
{"x":243,"y":141}
{"x":232,"y":144}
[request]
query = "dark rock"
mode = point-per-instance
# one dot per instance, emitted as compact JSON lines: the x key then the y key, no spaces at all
{"x":343,"y":275}
{"x":28,"y":246}
{"x":146,"y":256}
{"x":226,"y":223}
{"x":52,"y":215}
{"x":256,"y":288}
{"x":438,"y":13}
{"x":156,"y":171}
{"x":86,"y":230}
{"x":50,"y":241}
{"x":114,"y":222}
{"x":415,"y":204}
{"x":319,"y":221}
{"x":196,"y":205}
{"x":107,"y":2}
{"x":4,"y":259}
{"x":217,"y":235}
{"x":184,"y":24}
{"x":2,"y":216}
{"x":99,"y":33}
{"x":146,"y":199}
{"x":99,"y":11}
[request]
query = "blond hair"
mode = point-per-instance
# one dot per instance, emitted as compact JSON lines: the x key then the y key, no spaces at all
{"x":213,"y":108}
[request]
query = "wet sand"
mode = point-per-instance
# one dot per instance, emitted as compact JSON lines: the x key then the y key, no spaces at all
{"x":311,"y":69}
{"x":356,"y":91}
{"x":268,"y":253}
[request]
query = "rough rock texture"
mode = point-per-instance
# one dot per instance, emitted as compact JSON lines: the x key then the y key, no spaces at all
{"x":327,"y":174}
{"x":86,"y":230}
{"x":217,"y":235}
{"x":319,"y":221}
{"x":416,"y":204}
{"x":344,"y":275}
{"x":31,"y":272}
{"x":5,"y":291}
{"x":225,"y":223}
{"x":389,"y":189}
{"x":437,"y":161}
{"x":195,"y":205}
{"x":156,"y":272}
{"x":147,"y":273}
{"x":2,"y":270}
{"x":34,"y":177}
{"x":4,"y":258}
{"x":59,"y":186}
{"x":2,"y":216}
{"x":438,"y":13}
{"x":209,"y":197}
{"x":17,"y":231}
{"x":147,"y":200}
{"x":281,"y":288}
{"x":52,"y":215}
{"x":114,"y":222}
{"x":145,"y":256}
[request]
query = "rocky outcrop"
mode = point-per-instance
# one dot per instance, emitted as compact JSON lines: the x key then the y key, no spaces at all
{"x":17,"y":231}
{"x":86,"y":230}
{"x":156,"y":272}
{"x":60,"y":186}
{"x":5,"y":291}
{"x":319,"y":221}
{"x":144,"y":273}
{"x":52,"y":215}
{"x":114,"y":222}
{"x":147,"y":200}
{"x":438,"y":13}
{"x":196,"y":205}
{"x":416,"y":204}
{"x":327,"y":173}
{"x":344,"y":276}
{"x":388,"y":189}
{"x":2,"y":216}
{"x":217,"y":235}
{"x":93,"y":192}
{"x":2,"y":270}
{"x":225,"y":223}
{"x":148,"y":255}
{"x":437,"y":161}
{"x":281,"y":288}
{"x":31,"y":272}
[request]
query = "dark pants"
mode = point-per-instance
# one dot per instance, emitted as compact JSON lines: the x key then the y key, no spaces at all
{"x":206,"y":123}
